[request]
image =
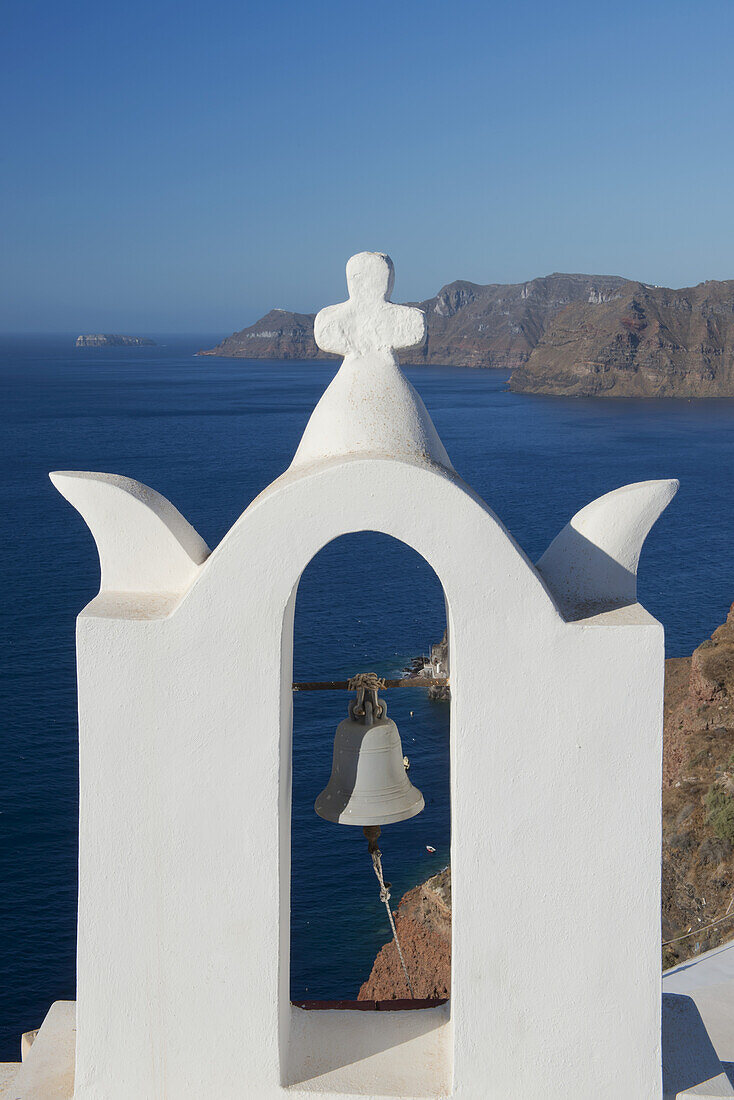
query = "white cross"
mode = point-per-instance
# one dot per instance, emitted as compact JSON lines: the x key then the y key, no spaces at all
{"x":368,"y":321}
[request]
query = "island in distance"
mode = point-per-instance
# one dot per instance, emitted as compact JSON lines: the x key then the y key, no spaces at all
{"x":566,"y":335}
{"x":100,"y":340}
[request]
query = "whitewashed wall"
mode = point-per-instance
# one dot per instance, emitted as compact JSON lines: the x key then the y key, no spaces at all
{"x":185,"y":731}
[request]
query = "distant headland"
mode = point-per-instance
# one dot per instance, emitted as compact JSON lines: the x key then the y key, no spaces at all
{"x":569,"y":335}
{"x":99,"y":340}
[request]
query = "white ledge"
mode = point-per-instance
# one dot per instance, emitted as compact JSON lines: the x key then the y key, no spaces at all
{"x":47,"y":1071}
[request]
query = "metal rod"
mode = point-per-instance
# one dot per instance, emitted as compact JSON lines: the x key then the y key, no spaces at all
{"x":343,"y":685}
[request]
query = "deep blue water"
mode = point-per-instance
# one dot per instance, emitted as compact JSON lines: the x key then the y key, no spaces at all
{"x":210,"y":434}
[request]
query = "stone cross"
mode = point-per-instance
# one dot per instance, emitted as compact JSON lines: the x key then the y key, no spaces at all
{"x":370,"y":406}
{"x":368,"y":321}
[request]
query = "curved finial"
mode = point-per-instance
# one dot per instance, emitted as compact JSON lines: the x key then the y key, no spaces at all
{"x":592,"y":564}
{"x":145,"y":545}
{"x":370,"y":405}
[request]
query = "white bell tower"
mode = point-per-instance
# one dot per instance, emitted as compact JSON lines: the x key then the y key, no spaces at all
{"x":184,"y":931}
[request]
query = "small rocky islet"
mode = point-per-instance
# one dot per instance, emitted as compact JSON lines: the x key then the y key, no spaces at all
{"x":563,"y":335}
{"x":108,"y":340}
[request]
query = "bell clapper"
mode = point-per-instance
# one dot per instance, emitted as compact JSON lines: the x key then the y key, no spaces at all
{"x":372,"y":834}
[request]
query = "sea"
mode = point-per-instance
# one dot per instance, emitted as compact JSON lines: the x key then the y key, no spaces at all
{"x":210,"y":434}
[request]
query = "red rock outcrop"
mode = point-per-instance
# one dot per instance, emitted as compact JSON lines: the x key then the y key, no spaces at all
{"x":423,"y":921}
{"x":712,"y":665}
{"x":698,"y":806}
{"x":699,"y":697}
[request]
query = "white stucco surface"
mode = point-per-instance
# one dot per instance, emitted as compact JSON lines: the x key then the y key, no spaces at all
{"x":185,"y":711}
{"x":8,"y":1073}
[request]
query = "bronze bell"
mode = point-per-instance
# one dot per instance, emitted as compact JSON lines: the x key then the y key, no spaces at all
{"x":369,"y":784}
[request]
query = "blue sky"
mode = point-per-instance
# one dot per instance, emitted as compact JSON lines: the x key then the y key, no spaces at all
{"x":186,"y":166}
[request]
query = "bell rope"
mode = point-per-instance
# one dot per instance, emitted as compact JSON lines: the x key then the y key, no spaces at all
{"x":372,"y":832}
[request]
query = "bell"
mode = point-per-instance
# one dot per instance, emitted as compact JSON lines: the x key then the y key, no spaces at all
{"x":369,"y":784}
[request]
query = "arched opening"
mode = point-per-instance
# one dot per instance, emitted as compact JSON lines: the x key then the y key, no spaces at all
{"x":365,"y":603}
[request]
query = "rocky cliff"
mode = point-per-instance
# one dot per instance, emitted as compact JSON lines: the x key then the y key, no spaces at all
{"x":698,"y":796}
{"x":698,"y":835}
{"x":468,"y":325}
{"x":573,"y":335}
{"x":106,"y":340}
{"x":645,"y":342}
{"x":280,"y":334}
{"x":423,"y":921}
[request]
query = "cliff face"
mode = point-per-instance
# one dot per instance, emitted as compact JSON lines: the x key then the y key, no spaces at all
{"x":646,"y":342}
{"x":698,"y":834}
{"x":423,"y":921}
{"x":698,"y":795}
{"x":280,"y":334}
{"x":468,"y":325}
{"x":499,"y":325}
{"x":572,"y":335}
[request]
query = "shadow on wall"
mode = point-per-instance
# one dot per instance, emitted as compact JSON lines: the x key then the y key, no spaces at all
{"x":598,"y":582}
{"x":689,"y":1058}
{"x":330,"y":1049}
{"x":591,"y":566}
